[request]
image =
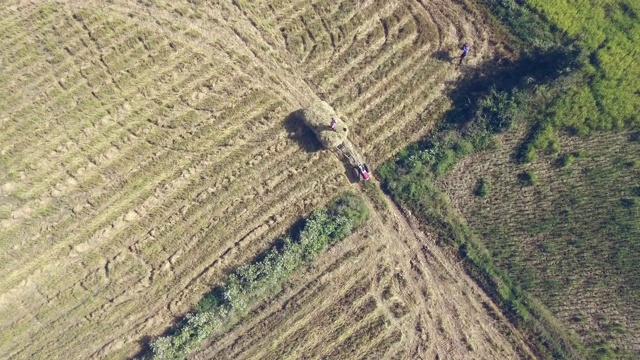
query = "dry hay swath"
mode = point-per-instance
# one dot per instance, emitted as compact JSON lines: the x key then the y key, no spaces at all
{"x":107,"y":234}
{"x":318,"y":118}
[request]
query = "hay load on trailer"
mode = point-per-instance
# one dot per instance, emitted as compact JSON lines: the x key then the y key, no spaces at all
{"x":319,"y":117}
{"x":332,"y":133}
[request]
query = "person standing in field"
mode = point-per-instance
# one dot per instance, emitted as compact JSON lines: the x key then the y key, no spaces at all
{"x":334,"y":123}
{"x":465,"y":51}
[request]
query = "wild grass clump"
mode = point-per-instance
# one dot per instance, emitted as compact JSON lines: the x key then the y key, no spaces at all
{"x":482,"y":189}
{"x":528,"y":178}
{"x":372,"y":189}
{"x":229,"y":302}
{"x":565,"y":160}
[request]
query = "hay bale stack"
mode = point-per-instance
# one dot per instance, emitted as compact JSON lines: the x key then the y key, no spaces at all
{"x":318,"y":118}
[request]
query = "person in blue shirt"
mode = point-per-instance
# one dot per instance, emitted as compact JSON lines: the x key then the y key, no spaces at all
{"x":465,"y":51}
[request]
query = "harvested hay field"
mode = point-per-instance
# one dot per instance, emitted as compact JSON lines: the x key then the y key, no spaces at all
{"x":145,"y":153}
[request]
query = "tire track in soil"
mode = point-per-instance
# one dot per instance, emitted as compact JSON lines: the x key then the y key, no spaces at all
{"x":337,"y":320}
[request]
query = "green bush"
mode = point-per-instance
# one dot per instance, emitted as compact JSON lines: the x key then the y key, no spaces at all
{"x":229,"y":301}
{"x":565,"y":160}
{"x":482,"y":189}
{"x":446,"y":161}
{"x":528,"y":178}
{"x":350,"y":206}
{"x":463,"y":148}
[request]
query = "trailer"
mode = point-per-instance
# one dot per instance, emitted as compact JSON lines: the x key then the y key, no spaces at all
{"x":333,"y":133}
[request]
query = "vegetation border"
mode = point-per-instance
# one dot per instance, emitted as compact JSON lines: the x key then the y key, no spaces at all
{"x":230,"y":301}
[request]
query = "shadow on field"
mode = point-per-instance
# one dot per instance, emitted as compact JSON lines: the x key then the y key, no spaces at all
{"x":490,"y":97}
{"x":487,"y":97}
{"x":504,"y":75}
{"x":442,"y":55}
{"x":145,"y":347}
{"x":301,"y":133}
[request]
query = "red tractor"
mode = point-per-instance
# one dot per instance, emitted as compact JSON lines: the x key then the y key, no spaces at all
{"x":360,"y":169}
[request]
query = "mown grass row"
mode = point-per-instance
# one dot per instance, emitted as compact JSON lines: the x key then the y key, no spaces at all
{"x":229,"y":302}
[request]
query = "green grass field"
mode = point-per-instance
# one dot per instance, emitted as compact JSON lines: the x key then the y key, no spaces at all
{"x":607,"y":94}
{"x":610,"y":30}
{"x":570,"y":237}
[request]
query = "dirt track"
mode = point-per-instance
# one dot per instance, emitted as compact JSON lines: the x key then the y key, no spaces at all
{"x":147,"y":152}
{"x":387,"y":292}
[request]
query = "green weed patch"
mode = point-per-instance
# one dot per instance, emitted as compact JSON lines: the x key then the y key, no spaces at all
{"x":228,"y":302}
{"x":603,"y":94}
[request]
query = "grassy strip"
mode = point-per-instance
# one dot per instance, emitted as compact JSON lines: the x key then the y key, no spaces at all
{"x":229,"y":302}
{"x":411,"y":182}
